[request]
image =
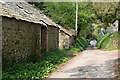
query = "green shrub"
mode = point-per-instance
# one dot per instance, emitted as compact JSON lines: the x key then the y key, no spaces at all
{"x":85,"y":42}
{"x":100,"y":41}
{"x":118,"y":76}
{"x":76,"y":49}
{"x":81,"y":44}
{"x":38,"y":70}
{"x":111,"y":42}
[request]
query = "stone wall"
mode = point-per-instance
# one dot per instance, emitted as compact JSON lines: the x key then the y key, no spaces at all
{"x":20,"y":39}
{"x":53,"y":38}
{"x":64,"y":40}
{"x":43,"y":39}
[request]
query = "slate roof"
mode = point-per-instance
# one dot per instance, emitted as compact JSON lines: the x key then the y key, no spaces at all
{"x":25,"y":11}
{"x":69,"y":32}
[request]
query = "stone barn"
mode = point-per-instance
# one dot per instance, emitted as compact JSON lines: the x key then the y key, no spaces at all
{"x":26,"y":31}
{"x":66,"y":38}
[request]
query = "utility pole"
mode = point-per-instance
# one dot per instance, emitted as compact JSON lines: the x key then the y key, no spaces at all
{"x":119,"y":25}
{"x":76,"y":24}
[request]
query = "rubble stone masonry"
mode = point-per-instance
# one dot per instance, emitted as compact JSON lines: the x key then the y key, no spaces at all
{"x":19,"y":39}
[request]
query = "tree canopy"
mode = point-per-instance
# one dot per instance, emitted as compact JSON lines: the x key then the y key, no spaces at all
{"x":63,"y":13}
{"x":106,"y":12}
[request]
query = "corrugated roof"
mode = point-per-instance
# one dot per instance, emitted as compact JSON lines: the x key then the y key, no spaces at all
{"x":24,"y":11}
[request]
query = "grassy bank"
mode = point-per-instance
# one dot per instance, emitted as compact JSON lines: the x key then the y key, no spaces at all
{"x":109,"y":42}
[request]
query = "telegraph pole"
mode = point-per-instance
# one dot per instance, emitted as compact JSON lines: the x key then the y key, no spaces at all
{"x":119,"y":25}
{"x":76,"y":26}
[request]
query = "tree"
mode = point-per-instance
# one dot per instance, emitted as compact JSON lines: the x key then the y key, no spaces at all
{"x":64,"y":14}
{"x":39,"y":5}
{"x":106,"y":12}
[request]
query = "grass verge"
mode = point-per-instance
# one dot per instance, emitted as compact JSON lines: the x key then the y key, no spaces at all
{"x":38,"y":70}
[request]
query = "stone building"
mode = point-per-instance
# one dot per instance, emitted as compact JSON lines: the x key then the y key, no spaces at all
{"x":26,"y":31}
{"x":66,"y":38}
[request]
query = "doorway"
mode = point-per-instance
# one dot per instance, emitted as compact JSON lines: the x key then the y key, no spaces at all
{"x":43,"y":39}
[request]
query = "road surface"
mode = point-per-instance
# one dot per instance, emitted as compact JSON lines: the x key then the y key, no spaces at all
{"x":89,"y":64}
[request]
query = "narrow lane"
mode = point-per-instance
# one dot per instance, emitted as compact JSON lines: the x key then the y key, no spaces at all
{"x":89,"y":64}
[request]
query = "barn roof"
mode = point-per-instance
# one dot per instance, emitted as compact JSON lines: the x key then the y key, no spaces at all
{"x":69,"y":32}
{"x":24,"y":11}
